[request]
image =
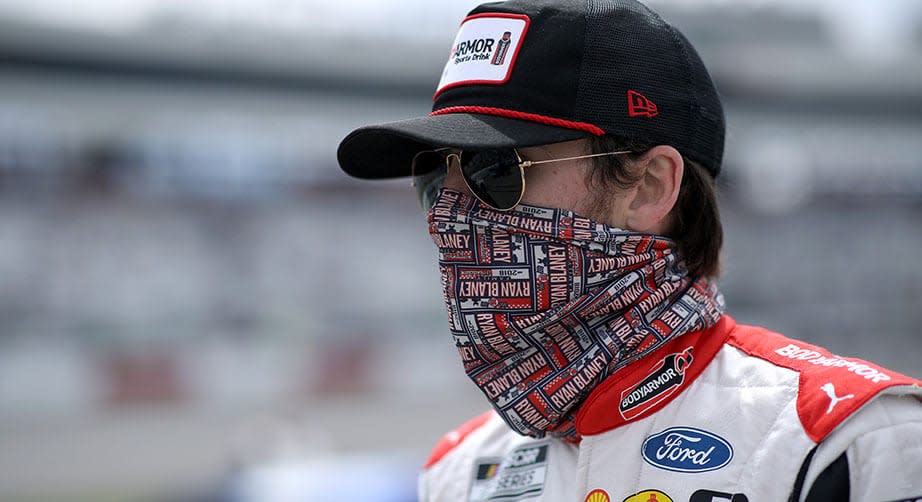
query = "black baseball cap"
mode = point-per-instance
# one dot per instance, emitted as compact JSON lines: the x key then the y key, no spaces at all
{"x":534,"y":72}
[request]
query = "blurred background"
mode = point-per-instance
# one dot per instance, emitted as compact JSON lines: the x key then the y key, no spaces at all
{"x":195,"y":304}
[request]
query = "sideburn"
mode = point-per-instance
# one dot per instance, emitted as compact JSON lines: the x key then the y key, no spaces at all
{"x":609,"y":175}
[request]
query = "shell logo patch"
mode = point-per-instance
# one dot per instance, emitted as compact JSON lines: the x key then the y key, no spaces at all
{"x":649,"y":496}
{"x":598,"y":495}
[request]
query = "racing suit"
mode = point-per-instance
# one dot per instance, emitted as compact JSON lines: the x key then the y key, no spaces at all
{"x":731,"y":413}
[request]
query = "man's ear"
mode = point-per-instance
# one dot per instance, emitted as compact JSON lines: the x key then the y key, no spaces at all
{"x":654,"y":196}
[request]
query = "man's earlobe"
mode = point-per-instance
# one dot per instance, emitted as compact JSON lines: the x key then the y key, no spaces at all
{"x":656,"y":193}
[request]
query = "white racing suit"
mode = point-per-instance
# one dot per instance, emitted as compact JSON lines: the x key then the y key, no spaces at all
{"x":731,"y":414}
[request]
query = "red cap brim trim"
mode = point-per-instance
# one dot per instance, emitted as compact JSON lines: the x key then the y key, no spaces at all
{"x":531,"y":117}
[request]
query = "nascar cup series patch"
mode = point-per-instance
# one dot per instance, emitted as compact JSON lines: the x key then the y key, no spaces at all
{"x":484,"y":51}
{"x":519,"y":475}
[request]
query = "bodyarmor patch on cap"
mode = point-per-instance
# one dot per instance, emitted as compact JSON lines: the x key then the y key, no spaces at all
{"x":484,"y":51}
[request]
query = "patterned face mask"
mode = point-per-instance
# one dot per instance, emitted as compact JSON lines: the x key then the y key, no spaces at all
{"x":544,"y":304}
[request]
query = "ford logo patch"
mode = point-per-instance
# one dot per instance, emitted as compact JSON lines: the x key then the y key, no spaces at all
{"x":686,"y":449}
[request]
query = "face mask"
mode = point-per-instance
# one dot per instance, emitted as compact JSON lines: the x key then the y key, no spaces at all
{"x":544,"y":304}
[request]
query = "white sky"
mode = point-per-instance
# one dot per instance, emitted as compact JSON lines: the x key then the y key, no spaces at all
{"x":871,"y":28}
{"x":364,"y":16}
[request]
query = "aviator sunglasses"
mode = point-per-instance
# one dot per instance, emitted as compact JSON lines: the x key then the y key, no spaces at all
{"x":495,"y":177}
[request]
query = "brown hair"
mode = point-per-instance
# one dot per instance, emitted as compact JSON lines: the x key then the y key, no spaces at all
{"x":695,"y":224}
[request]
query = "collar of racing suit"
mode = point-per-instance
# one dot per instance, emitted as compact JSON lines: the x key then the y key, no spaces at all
{"x":648,"y":384}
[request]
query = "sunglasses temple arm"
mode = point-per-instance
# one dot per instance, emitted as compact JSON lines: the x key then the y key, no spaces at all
{"x":529,"y":163}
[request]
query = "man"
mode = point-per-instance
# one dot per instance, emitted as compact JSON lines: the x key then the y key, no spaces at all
{"x":568,"y":173}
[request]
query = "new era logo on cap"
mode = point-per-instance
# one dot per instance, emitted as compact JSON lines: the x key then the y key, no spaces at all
{"x":639,"y":106}
{"x":484,"y":51}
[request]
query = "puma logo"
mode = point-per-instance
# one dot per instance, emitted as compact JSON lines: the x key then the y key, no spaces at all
{"x":830,"y":391}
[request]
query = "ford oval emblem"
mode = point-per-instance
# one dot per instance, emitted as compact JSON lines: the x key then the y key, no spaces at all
{"x":686,"y":449}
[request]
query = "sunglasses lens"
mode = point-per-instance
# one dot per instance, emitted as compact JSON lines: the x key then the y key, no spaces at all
{"x":429,"y":175}
{"x":494,"y":177}
{"x":428,"y":186}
